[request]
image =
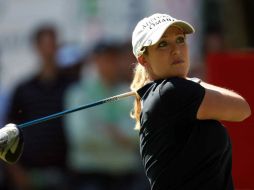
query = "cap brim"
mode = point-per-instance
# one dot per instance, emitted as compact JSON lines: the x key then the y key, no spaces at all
{"x":158,"y":32}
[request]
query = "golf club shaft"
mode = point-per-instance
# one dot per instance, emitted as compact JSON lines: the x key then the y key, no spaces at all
{"x":59,"y":114}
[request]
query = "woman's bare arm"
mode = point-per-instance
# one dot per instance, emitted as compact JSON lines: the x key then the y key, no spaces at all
{"x":222,"y":104}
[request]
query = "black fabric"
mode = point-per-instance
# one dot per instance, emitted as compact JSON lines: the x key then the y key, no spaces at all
{"x":45,"y":143}
{"x":180,"y":152}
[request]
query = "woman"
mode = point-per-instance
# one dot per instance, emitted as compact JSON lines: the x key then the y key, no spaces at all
{"x":183,"y":144}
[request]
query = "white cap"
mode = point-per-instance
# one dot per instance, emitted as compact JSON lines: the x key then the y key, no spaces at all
{"x":149,"y":30}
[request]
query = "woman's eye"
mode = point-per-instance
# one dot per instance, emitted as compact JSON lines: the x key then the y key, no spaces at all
{"x":162,"y":44}
{"x":180,"y":40}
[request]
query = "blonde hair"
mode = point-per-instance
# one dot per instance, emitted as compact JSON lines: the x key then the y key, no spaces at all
{"x":139,"y":80}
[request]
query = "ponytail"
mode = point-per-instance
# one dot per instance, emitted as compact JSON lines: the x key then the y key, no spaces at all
{"x":139,"y":80}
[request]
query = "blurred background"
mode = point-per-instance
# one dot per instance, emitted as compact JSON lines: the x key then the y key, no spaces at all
{"x":58,"y":54}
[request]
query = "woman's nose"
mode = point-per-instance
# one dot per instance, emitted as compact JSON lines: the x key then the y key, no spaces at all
{"x":175,"y":49}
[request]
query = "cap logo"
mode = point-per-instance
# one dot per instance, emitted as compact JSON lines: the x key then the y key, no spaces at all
{"x":156,"y":21}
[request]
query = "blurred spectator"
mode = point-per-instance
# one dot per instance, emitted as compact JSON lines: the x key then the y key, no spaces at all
{"x":103,"y":152}
{"x":248,"y":7}
{"x":43,"y":162}
{"x":126,"y":61}
{"x":213,"y":41}
{"x":227,"y":22}
{"x":70,"y":60}
{"x":234,"y":28}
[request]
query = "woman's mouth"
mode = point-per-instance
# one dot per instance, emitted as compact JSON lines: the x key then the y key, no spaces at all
{"x":177,"y":61}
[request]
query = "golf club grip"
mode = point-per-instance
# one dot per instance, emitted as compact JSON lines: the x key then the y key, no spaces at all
{"x":59,"y":114}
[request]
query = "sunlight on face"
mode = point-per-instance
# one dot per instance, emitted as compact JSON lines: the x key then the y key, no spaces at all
{"x":169,"y":57}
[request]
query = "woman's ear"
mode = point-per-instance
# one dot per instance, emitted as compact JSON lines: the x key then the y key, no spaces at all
{"x":142,"y":60}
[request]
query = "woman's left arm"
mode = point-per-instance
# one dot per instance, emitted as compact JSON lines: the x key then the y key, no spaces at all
{"x":222,"y":104}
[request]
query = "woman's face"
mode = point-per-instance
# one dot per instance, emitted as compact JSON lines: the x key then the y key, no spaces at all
{"x":169,"y":57}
